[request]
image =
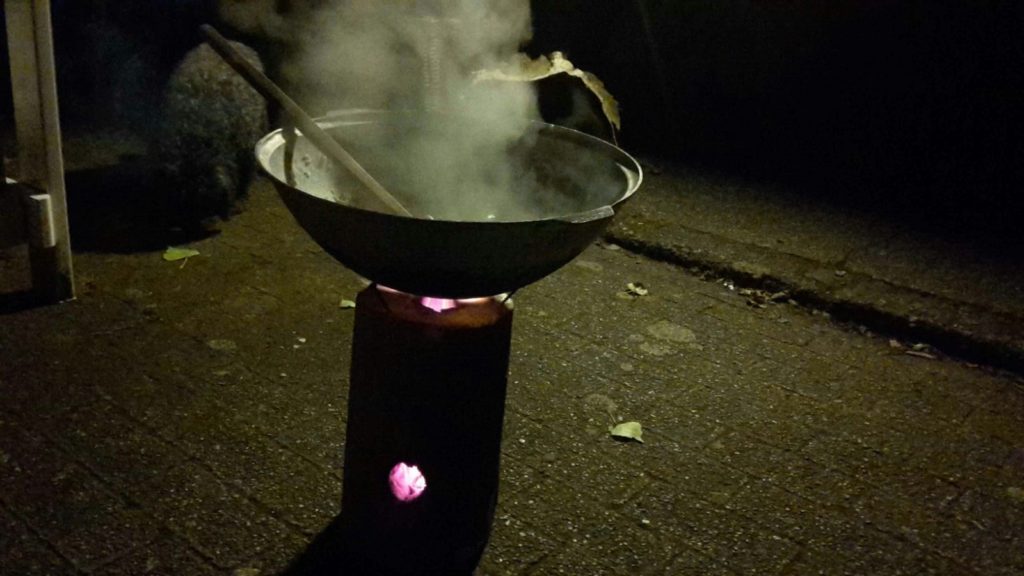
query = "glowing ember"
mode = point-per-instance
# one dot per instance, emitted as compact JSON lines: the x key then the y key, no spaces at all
{"x":407,"y":482}
{"x":438,"y":304}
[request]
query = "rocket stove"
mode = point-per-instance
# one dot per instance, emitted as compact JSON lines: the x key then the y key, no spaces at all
{"x":431,"y":341}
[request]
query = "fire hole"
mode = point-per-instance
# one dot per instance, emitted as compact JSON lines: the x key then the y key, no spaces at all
{"x":438,"y":304}
{"x":407,"y":482}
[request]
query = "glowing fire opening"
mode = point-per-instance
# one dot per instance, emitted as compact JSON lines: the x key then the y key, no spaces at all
{"x":407,"y":482}
{"x":438,"y":304}
{"x":442,"y":304}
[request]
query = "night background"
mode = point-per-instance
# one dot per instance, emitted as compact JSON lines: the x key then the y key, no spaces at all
{"x":907,"y":108}
{"x":910,"y":109}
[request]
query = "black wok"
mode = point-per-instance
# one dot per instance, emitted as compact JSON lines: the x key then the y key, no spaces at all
{"x":444,"y":252}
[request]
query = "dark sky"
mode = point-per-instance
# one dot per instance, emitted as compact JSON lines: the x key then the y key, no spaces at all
{"x":923,"y":97}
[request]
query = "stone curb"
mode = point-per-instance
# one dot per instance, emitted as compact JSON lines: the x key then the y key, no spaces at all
{"x":969,"y":331}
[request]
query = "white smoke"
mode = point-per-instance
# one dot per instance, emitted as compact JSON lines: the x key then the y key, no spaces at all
{"x":375,"y":53}
{"x":420,"y":55}
{"x":472,"y":157}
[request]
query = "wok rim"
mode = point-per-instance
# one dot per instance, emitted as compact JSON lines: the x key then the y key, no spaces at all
{"x":267,"y":145}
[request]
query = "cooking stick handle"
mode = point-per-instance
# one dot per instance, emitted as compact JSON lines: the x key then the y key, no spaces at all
{"x":327,"y":145}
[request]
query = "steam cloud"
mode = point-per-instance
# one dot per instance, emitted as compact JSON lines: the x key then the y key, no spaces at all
{"x":466,"y":161}
{"x":373,"y":53}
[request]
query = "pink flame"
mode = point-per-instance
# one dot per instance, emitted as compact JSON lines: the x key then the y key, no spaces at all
{"x":438,"y":304}
{"x":407,"y":482}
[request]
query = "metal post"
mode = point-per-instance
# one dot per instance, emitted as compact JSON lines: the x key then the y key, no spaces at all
{"x":40,"y":164}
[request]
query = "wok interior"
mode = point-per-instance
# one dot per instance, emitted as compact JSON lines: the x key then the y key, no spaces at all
{"x":447,"y":168}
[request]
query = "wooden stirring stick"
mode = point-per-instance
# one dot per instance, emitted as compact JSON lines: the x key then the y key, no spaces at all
{"x":327,"y":145}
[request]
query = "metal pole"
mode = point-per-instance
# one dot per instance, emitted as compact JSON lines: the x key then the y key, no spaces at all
{"x":40,"y":162}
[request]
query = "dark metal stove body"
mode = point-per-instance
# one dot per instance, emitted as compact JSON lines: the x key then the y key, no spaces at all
{"x":427,"y":389}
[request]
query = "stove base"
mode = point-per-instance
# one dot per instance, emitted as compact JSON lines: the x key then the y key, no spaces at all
{"x":427,"y":390}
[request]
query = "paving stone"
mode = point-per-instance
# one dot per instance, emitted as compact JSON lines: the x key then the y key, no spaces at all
{"x":626,"y":550}
{"x":869,"y":461}
{"x":66,"y":505}
{"x":54,"y":389}
{"x":594,"y":409}
{"x":879,"y":467}
{"x":966,"y":544}
{"x":961,"y":456}
{"x":222,"y":524}
{"x":684,"y":518}
{"x":522,"y":534}
{"x":242,"y":456}
{"x":746,"y":452}
{"x":696,"y":564}
{"x":1003,"y":427}
{"x":810,"y":375}
{"x":110,"y":444}
{"x":277,"y":559}
{"x":167,"y":555}
{"x":588,"y":533}
{"x":783,"y":512}
{"x":976,"y":387}
{"x":592,"y":474}
{"x":756,"y":408}
{"x":23,"y":552}
{"x":693,"y":470}
{"x":318,"y":437}
{"x":920,"y":408}
{"x":995,"y":510}
{"x":529,"y":443}
{"x":155,"y":403}
{"x":829,"y":561}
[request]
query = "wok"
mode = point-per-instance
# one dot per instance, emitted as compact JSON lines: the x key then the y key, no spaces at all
{"x":579,"y":183}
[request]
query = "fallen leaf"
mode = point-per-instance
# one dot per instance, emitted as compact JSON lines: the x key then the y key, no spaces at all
{"x":920,"y":354}
{"x":628,"y":431}
{"x":346,"y":304}
{"x":526,"y":70}
{"x":633,"y":291}
{"x":222,"y":344}
{"x":173,"y":254}
{"x":637,"y":289}
{"x":761,"y":298}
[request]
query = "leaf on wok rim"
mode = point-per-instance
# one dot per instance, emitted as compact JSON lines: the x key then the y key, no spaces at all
{"x":526,"y":70}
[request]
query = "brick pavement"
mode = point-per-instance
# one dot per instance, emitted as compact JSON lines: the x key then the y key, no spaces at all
{"x":189,"y":419}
